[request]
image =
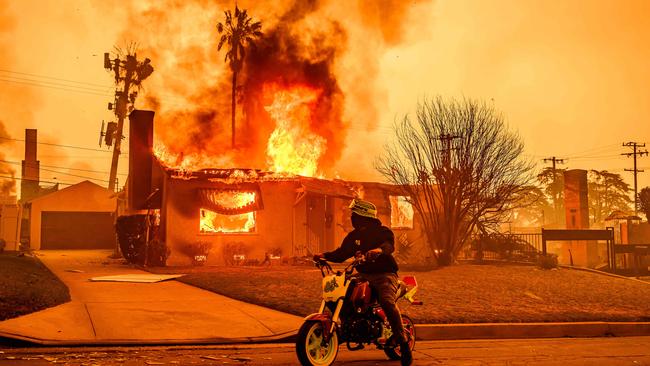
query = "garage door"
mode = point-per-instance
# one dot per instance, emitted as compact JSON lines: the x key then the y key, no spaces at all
{"x":77,"y":230}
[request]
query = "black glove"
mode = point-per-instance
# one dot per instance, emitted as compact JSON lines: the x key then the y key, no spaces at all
{"x":372,"y":255}
{"x":318,"y":257}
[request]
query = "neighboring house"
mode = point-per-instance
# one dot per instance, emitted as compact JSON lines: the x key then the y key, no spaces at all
{"x":9,"y":222}
{"x":76,"y":217}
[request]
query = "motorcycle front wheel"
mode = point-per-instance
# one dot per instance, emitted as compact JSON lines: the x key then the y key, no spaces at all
{"x":409,"y":327}
{"x":311,"y":348}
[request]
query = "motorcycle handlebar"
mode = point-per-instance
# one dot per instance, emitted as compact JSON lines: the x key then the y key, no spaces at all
{"x":322,"y":263}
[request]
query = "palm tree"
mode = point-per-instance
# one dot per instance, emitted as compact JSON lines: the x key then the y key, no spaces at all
{"x":237,"y":32}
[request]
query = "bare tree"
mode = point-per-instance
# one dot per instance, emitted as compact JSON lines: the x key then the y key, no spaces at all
{"x":461,"y":169}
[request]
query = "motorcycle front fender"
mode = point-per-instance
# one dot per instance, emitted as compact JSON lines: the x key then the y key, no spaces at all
{"x":326,"y":322}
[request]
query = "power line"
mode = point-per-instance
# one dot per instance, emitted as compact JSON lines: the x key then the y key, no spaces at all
{"x":54,"y":87}
{"x":593,"y":150}
{"x":58,"y":145}
{"x":33,"y":180}
{"x":56,"y":167}
{"x":64,"y":173}
{"x":52,"y":78}
{"x":90,"y":88}
{"x":73,"y":175}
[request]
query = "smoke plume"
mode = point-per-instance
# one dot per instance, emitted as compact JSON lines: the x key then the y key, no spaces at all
{"x":305,"y":43}
{"x":7,"y":185}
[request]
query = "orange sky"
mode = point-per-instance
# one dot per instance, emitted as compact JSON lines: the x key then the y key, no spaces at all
{"x":571,"y":77}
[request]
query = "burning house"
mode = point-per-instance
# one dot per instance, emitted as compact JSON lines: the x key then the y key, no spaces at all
{"x":299,"y":95}
{"x":224,"y":215}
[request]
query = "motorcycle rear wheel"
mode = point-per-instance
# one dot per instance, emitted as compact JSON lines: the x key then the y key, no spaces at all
{"x":409,"y":327}
{"x":310,"y":347}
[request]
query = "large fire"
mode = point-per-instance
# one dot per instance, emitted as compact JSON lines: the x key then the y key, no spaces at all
{"x":318,"y":60}
{"x":292,"y":147}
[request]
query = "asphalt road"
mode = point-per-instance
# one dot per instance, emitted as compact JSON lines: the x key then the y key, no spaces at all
{"x":567,"y":351}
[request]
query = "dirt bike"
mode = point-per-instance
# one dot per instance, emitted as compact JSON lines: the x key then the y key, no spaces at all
{"x":350,"y":314}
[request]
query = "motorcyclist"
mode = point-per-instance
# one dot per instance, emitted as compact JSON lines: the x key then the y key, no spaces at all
{"x":380,"y":269}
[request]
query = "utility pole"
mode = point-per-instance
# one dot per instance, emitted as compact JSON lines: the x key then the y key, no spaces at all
{"x":556,"y":192}
{"x":635,"y":152}
{"x":129,"y":73}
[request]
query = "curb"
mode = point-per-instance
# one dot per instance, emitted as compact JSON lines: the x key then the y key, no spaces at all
{"x":604,"y":273}
{"x":17,"y":340}
{"x":430,"y":332}
{"x":424,"y":332}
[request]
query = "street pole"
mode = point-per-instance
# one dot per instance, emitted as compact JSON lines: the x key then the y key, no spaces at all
{"x":120,"y":111}
{"x":635,"y":152}
{"x":131,"y":73}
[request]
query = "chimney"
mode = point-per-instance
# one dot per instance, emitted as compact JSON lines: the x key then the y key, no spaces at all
{"x":576,"y":201}
{"x":140,"y":158}
{"x":29,"y":185}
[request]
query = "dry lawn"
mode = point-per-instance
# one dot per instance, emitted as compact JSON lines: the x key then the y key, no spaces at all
{"x":26,"y":285}
{"x":463,"y":293}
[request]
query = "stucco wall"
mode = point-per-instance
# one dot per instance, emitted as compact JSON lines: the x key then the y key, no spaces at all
{"x":379,"y":195}
{"x":81,"y":197}
{"x":275,"y":224}
{"x":9,"y":226}
{"x":281,"y":224}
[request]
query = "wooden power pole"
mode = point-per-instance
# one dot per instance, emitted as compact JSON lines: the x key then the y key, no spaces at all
{"x":635,"y":152}
{"x":129,"y":73}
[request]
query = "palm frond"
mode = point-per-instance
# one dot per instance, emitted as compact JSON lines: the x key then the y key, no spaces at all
{"x":222,"y":41}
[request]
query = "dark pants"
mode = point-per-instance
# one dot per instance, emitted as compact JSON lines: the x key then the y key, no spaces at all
{"x":385,"y":286}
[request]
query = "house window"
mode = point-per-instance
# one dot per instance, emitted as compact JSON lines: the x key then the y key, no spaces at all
{"x":401,"y":213}
{"x":213,"y":222}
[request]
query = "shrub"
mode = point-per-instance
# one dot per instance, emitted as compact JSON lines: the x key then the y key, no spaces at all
{"x":548,"y":261}
{"x":157,"y":253}
{"x":234,"y":253}
{"x":197,"y":251}
{"x":132,"y":236}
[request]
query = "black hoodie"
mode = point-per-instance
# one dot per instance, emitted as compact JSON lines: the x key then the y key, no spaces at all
{"x":371,"y":236}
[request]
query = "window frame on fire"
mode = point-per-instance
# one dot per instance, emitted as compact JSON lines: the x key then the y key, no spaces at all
{"x":221,"y":233}
{"x":412,"y":218}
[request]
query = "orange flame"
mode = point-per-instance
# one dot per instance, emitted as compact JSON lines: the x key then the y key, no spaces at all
{"x":292,"y":147}
{"x":189,"y":162}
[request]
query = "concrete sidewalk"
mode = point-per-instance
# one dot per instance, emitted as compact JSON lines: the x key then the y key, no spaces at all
{"x":167,"y":312}
{"x":119,"y":313}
